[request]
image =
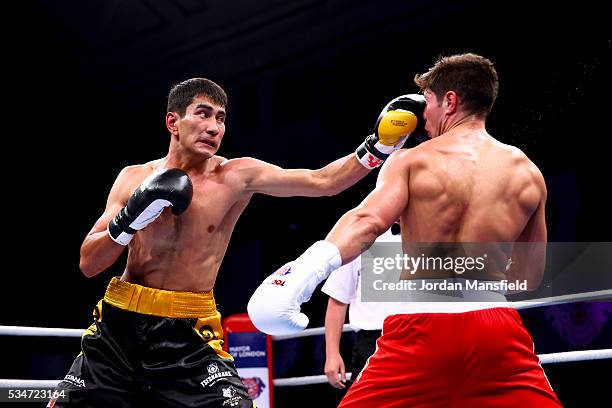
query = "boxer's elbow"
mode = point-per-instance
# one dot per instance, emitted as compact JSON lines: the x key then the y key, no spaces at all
{"x":90,"y":265}
{"x":536,"y":265}
{"x":332,"y":190}
{"x":331,"y":181}
{"x":86,"y":264}
{"x":98,"y":252}
{"x":534,"y":279}
{"x":529,"y":274}
{"x":87,"y":267}
{"x":323,"y":185}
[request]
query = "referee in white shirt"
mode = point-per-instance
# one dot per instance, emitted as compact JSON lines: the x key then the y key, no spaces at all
{"x":344,"y":289}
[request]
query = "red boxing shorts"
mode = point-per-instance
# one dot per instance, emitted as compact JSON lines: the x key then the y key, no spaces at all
{"x":481,"y":358}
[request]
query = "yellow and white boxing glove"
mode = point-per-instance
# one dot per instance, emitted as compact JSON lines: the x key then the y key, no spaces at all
{"x":274,"y":307}
{"x":400,"y":118}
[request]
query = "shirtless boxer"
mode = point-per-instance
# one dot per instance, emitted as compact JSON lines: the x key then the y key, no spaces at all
{"x":156,"y":339}
{"x":462,"y":186}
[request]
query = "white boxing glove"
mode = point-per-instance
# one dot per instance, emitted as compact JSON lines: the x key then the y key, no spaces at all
{"x":274,"y":308}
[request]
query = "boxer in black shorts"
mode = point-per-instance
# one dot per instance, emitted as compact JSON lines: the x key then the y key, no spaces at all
{"x":157,"y":336}
{"x":141,"y":355}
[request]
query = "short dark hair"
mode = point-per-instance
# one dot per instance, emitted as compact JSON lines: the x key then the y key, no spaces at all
{"x":471,"y":76}
{"x":182,"y":94}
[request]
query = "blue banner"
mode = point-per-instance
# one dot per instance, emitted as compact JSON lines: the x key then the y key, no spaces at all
{"x":248,"y":349}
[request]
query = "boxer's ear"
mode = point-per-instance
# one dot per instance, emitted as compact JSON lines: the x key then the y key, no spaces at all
{"x":172,"y":119}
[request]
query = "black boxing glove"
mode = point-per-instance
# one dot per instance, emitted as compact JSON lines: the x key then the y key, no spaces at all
{"x":170,"y":187}
{"x":402,"y":117}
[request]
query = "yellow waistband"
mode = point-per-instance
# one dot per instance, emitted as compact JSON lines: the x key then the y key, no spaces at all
{"x":159,"y":302}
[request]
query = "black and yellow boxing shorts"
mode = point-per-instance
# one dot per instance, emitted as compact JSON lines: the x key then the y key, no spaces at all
{"x":154,"y":348}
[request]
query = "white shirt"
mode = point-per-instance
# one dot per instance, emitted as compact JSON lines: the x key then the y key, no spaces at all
{"x":344,"y":285}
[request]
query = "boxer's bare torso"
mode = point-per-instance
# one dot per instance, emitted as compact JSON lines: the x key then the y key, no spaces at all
{"x":467,"y":187}
{"x":183,"y":253}
{"x":461,"y":187}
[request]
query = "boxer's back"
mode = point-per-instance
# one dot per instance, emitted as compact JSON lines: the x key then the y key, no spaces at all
{"x":468,"y":187}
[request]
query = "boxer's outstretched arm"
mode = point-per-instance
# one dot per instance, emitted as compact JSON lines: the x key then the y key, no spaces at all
{"x":261,"y":177}
{"x":295,"y":282}
{"x":397,"y":121}
{"x":356,"y":230}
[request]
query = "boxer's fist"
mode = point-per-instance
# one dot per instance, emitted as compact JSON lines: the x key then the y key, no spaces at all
{"x":274,"y":308}
{"x":170,"y":187}
{"x":401,"y":117}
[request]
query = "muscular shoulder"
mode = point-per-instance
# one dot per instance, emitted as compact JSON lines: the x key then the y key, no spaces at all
{"x":413,"y":158}
{"x":400,"y":163}
{"x":526,"y":176}
{"x":523,"y":162}
{"x":130,"y":177}
{"x":245,"y":167}
{"x":242,"y":163}
{"x":238,"y":172}
{"x":137,"y":171}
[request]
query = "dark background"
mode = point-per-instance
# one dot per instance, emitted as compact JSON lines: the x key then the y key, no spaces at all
{"x":85,"y":95}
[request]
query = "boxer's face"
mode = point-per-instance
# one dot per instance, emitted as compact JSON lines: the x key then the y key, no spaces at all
{"x":203,"y":126}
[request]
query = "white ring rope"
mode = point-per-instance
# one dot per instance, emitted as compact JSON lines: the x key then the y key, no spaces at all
{"x":39,"y":331}
{"x":569,"y":356}
{"x":572,"y":356}
{"x":524,"y":304}
{"x":306,"y":380}
{"x":556,"y":300}
{"x":552,"y":358}
{"x":5,"y":383}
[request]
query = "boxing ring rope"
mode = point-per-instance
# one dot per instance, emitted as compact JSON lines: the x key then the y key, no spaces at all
{"x":524,"y":304}
{"x":39,"y":331}
{"x":558,"y":300}
{"x":551,"y":358}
